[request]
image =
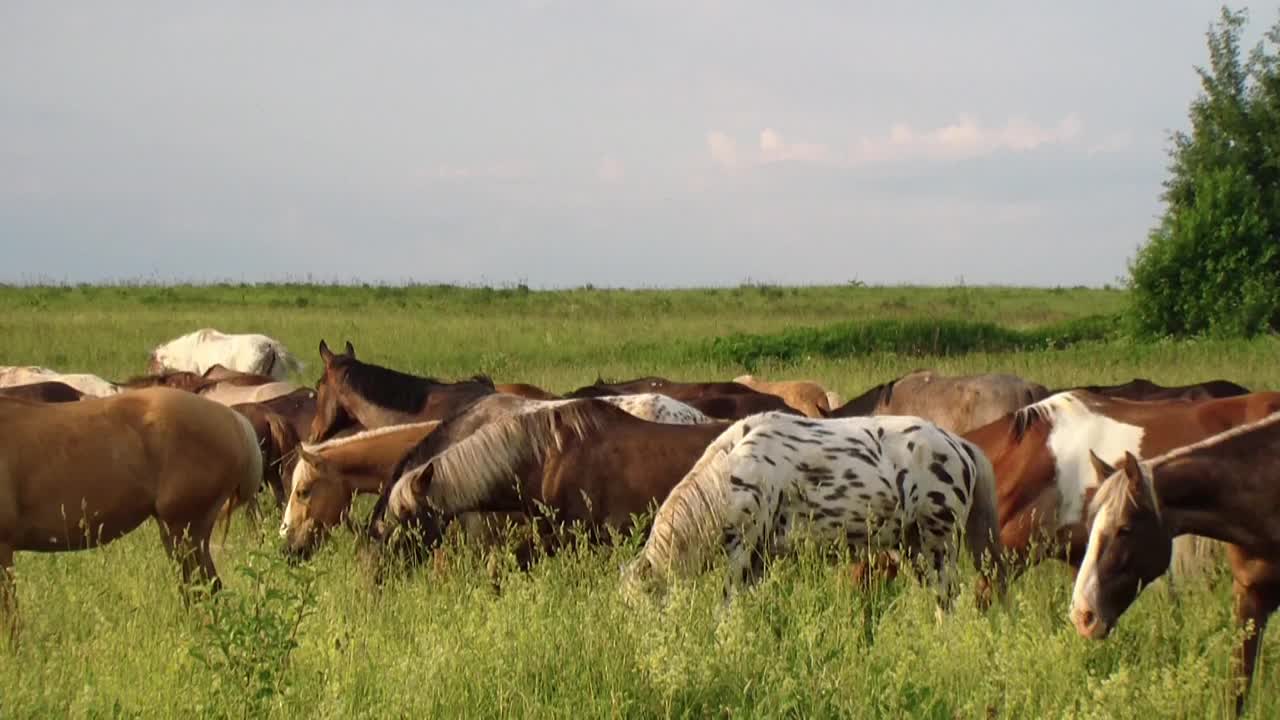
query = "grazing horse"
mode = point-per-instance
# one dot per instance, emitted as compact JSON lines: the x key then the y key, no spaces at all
{"x":176,"y":379}
{"x":278,"y":441}
{"x":85,"y":383}
{"x":200,"y":350}
{"x":353,"y":391}
{"x":682,"y":391}
{"x":525,"y":390}
{"x":955,"y":403}
{"x":1041,"y":454}
{"x":78,"y":475}
{"x":1225,"y":487}
{"x":806,"y":396}
{"x":48,"y":392}
{"x":221,"y":373}
{"x":739,"y":406}
{"x":228,"y":393}
{"x":1143,"y":389}
{"x":585,"y":462}
{"x":865,"y":483}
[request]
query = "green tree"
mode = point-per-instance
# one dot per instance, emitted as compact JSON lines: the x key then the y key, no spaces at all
{"x":1212,"y":264}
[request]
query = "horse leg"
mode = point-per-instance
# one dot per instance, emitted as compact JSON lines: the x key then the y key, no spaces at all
{"x":1254,"y":603}
{"x":190,"y":549}
{"x":8,"y":594}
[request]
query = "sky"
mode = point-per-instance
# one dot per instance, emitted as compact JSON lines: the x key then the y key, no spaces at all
{"x":556,"y":143}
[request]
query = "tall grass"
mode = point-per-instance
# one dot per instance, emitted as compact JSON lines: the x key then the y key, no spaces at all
{"x":105,"y":633}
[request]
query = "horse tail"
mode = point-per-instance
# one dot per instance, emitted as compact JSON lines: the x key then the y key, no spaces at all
{"x":689,"y":519}
{"x":246,"y":492}
{"x":982,"y":526}
{"x":284,"y":440}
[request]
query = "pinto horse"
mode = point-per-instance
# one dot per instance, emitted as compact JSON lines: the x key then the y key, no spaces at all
{"x":1041,"y":454}
{"x":78,"y":475}
{"x":352,"y":391}
{"x":956,"y":403}
{"x":1225,"y":487}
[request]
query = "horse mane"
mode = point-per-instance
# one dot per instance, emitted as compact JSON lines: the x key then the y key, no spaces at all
{"x":1027,"y":417}
{"x":163,"y":378}
{"x":469,"y":470}
{"x":365,"y":435}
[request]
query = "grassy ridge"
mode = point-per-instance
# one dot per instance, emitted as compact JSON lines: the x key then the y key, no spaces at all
{"x":106,"y":635}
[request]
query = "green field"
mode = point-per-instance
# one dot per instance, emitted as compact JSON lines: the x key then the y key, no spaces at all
{"x":105,"y":633}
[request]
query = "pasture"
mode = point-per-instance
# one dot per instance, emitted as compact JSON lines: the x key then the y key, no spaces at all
{"x":105,"y":633}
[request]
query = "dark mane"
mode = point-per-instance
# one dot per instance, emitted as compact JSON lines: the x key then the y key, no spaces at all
{"x":393,"y":389}
{"x":1025,"y":418}
{"x":866,"y":403}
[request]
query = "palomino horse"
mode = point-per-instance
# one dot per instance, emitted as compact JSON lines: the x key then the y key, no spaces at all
{"x":1041,"y":454}
{"x":374,"y":396}
{"x":85,"y":383}
{"x":771,"y":479}
{"x":958,"y":404}
{"x":198,"y":351}
{"x":806,"y":396}
{"x":278,"y":441}
{"x":1225,"y":487}
{"x":43,"y":392}
{"x":77,"y":475}
{"x":585,"y":462}
{"x":1143,"y":389}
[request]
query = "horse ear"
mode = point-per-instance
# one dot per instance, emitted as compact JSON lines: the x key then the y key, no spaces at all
{"x":350,"y":351}
{"x":422,"y":479}
{"x":1101,"y":467}
{"x":1133,"y":473}
{"x":310,"y":458}
{"x":325,"y":353}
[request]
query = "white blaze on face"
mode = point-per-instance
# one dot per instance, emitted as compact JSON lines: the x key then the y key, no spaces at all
{"x":1076,"y":431}
{"x":1084,"y":596}
{"x":298,"y":474}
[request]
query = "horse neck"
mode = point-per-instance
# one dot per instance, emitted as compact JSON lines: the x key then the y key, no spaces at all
{"x":1233,"y":498}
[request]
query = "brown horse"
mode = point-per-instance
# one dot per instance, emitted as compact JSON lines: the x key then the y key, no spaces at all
{"x":47,"y":392}
{"x":682,"y":391}
{"x":736,"y":407}
{"x":956,"y":403}
{"x":1225,"y":487}
{"x":328,"y":474}
{"x":298,"y":407}
{"x":352,"y":391}
{"x":525,"y":390}
{"x":1143,"y":389}
{"x":278,"y":441}
{"x":806,"y":396}
{"x":588,"y":462}
{"x":222,"y":373}
{"x":1041,"y":454}
{"x":78,"y":475}
{"x":176,"y":379}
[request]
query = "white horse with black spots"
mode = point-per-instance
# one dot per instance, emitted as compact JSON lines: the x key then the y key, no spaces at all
{"x":871,"y":483}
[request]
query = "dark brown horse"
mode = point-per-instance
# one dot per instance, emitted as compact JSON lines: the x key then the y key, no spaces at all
{"x":956,"y":403}
{"x":46,"y":392}
{"x":682,"y":391}
{"x":279,"y":443}
{"x":351,"y":391}
{"x":740,"y":405}
{"x":1225,"y":487}
{"x":1143,"y":389}
{"x":587,"y":462}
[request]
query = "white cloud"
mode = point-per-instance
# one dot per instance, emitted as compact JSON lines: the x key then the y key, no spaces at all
{"x":611,"y":170}
{"x":724,"y":151}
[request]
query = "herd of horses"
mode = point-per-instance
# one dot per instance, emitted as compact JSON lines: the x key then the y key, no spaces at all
{"x":1101,"y":477}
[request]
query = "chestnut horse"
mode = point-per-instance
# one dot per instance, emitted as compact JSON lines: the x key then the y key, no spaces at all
{"x":78,"y":475}
{"x":805,"y":396}
{"x":51,"y":391}
{"x":1225,"y":487}
{"x":1143,"y":389}
{"x":956,"y":403}
{"x":587,"y":461}
{"x":351,"y":391}
{"x":739,"y":406}
{"x":1042,"y":462}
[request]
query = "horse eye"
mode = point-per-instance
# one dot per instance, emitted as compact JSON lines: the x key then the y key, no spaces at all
{"x":1124,"y":530}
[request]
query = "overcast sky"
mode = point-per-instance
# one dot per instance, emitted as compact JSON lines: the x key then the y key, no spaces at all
{"x":653,"y":143}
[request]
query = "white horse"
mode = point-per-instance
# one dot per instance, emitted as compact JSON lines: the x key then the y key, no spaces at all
{"x":200,"y":350}
{"x":85,"y":383}
{"x":870,"y":483}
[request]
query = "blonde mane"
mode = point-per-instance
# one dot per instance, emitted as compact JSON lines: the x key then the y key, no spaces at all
{"x":365,"y":435}
{"x":468,"y":471}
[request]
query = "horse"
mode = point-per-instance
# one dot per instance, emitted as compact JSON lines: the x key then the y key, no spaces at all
{"x":278,"y":441}
{"x":585,"y":462}
{"x":525,"y":390}
{"x":298,"y":407}
{"x":736,"y":407}
{"x":229,"y":393}
{"x":48,"y":392}
{"x":806,"y":396}
{"x":1224,"y":487}
{"x":221,"y":373}
{"x":682,"y":391}
{"x":955,"y":403}
{"x":85,"y":383}
{"x":353,"y":391}
{"x":1143,"y":389}
{"x":864,"y":483}
{"x":1041,"y":455}
{"x":78,"y":475}
{"x":200,"y":350}
{"x":177,"y":379}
